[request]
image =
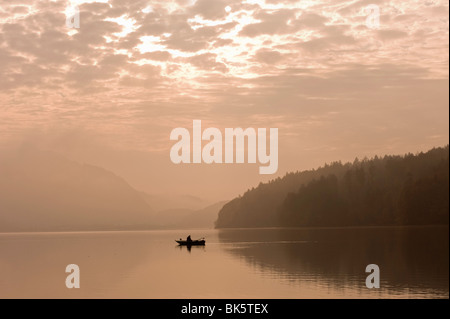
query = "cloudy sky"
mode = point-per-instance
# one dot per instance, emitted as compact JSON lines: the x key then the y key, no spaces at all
{"x":111,"y":91}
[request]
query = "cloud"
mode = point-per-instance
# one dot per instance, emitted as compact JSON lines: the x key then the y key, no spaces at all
{"x":157,"y":56}
{"x":185,"y":38}
{"x":275,"y":60}
{"x":211,"y":10}
{"x":387,"y":35}
{"x":271,"y":23}
{"x":310,"y":20}
{"x":207,"y":61}
{"x":268,"y":56}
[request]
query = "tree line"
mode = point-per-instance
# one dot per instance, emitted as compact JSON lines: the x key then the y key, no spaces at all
{"x":389,"y":190}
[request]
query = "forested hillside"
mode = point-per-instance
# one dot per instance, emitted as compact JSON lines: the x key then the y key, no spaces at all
{"x":392,"y":190}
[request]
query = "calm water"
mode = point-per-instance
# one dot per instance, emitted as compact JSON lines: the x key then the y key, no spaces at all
{"x":263,"y":263}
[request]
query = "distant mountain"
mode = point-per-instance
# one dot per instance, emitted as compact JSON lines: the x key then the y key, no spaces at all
{"x":186,"y":218}
{"x":181,"y":211}
{"x":41,"y":191}
{"x":203,"y":218}
{"x":160,"y":202}
{"x":393,"y":190}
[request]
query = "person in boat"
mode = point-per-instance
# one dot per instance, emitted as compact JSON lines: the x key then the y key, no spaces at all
{"x":189,"y":239}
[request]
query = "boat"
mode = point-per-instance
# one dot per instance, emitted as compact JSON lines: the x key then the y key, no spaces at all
{"x":200,"y":242}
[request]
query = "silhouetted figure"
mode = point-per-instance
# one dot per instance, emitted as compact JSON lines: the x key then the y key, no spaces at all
{"x":189,"y":240}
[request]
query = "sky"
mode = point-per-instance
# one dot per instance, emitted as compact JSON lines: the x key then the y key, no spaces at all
{"x":110,"y":92}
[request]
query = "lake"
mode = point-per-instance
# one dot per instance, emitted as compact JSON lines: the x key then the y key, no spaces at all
{"x":235,"y":263}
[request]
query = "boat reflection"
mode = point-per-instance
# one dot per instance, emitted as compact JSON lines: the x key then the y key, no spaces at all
{"x":190,"y":247}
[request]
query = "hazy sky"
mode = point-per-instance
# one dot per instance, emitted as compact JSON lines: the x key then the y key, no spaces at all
{"x":110,"y":92}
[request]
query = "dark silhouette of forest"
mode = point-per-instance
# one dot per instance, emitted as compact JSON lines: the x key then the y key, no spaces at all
{"x":392,"y":190}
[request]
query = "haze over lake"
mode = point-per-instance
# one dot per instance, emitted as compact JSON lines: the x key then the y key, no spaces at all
{"x":235,"y":263}
{"x":305,"y":140}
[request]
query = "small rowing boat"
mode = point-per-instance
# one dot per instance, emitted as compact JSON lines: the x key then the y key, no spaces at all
{"x":200,"y":242}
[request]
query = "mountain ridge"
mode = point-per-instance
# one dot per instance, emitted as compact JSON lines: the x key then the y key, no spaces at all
{"x":44,"y":191}
{"x":380,"y":191}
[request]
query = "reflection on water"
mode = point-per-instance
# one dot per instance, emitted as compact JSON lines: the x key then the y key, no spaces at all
{"x":264,"y":263}
{"x":190,"y":247}
{"x":414,"y":261}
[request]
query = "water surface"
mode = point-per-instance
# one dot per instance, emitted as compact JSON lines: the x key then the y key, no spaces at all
{"x":237,"y":263}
